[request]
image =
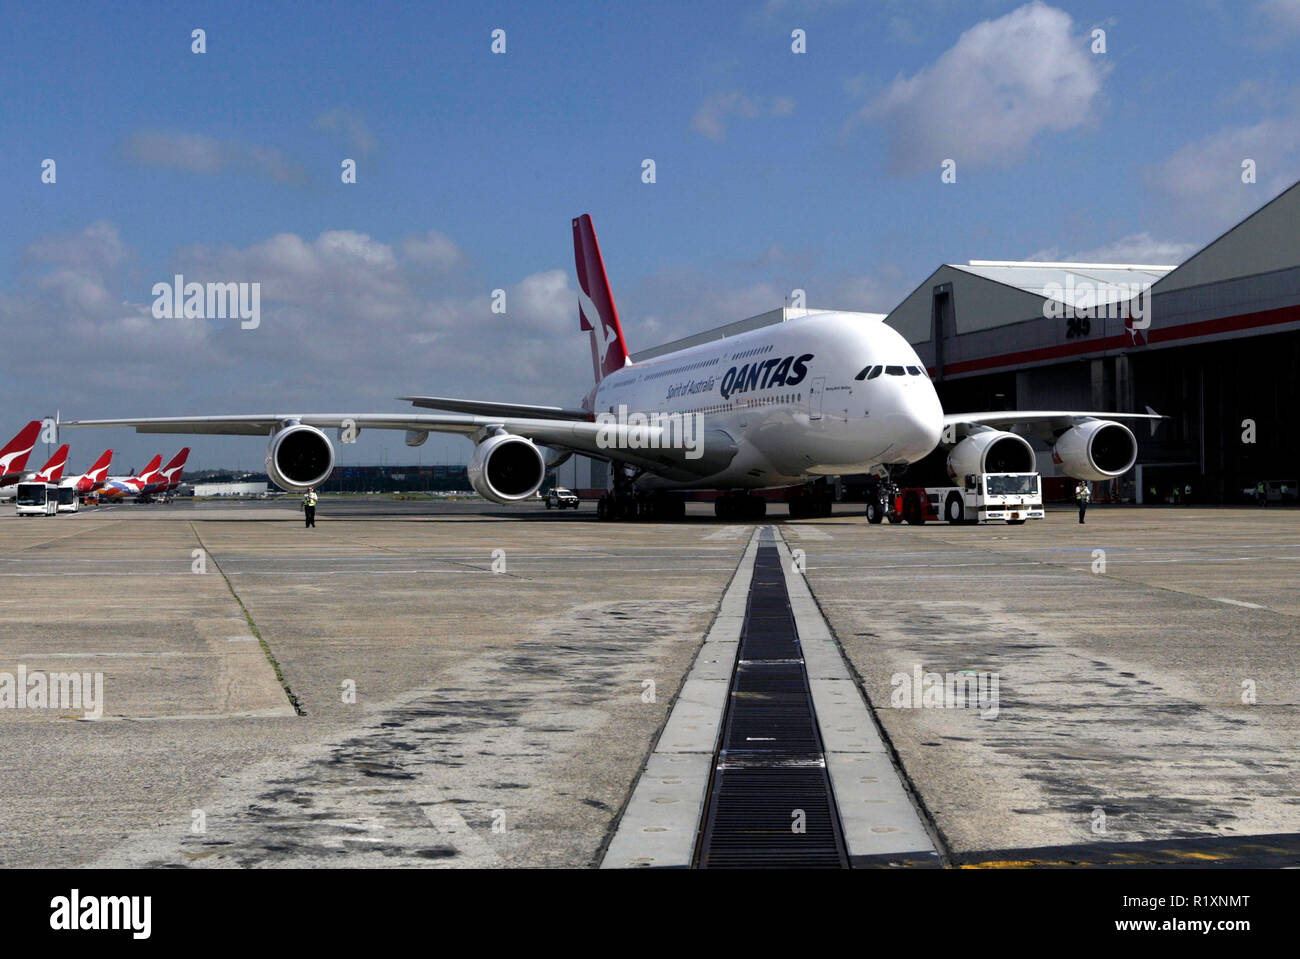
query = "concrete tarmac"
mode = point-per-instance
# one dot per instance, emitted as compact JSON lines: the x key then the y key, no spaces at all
{"x":420,"y":683}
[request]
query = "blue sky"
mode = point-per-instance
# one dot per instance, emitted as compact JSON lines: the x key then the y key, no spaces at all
{"x":774,"y":170}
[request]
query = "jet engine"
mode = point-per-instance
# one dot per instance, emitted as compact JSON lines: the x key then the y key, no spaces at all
{"x":1096,"y":450}
{"x":299,"y":457}
{"x":991,"y":451}
{"x":506,"y":468}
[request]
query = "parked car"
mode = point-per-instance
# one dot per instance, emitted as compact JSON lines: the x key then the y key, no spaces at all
{"x":561,"y":498}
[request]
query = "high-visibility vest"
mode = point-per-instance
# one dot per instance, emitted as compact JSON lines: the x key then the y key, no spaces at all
{"x":309,"y":499}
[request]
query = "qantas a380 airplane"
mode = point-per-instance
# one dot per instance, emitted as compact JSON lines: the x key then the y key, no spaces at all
{"x":737,"y":414}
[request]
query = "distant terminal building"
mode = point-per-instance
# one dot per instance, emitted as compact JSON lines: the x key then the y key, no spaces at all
{"x":396,"y":479}
{"x":229,"y":489}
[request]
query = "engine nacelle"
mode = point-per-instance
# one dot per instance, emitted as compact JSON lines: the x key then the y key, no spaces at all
{"x":1096,"y":450}
{"x":506,"y":468}
{"x":991,"y":451}
{"x":299,"y":457}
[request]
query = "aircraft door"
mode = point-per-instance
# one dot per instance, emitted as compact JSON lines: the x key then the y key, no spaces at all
{"x":815,"y":390}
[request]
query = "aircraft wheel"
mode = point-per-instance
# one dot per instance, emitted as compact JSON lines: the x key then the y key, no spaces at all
{"x":874,"y":514}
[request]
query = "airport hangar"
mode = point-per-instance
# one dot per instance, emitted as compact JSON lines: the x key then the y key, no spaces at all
{"x":1222,"y":347}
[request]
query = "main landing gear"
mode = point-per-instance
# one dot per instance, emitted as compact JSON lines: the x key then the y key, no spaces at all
{"x":625,"y":502}
{"x":812,"y":502}
{"x":642,"y":506}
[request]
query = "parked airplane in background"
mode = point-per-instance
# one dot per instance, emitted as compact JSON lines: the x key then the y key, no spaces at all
{"x":49,"y":473}
{"x":167,"y":478}
{"x":118,"y":488}
{"x":52,"y":471}
{"x":14,"y":456}
{"x":93,"y":478}
{"x":761,"y":399}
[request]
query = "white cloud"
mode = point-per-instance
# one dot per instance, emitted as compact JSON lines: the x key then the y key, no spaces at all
{"x":351,"y":126}
{"x":1133,"y":248}
{"x":346,"y":322}
{"x":197,"y":153}
{"x":1204,"y":177}
{"x":710,"y":119}
{"x":982,"y":103}
{"x":433,"y":250}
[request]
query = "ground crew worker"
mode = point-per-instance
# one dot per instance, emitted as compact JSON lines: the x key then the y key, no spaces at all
{"x":1261,"y":497}
{"x":1082,"y":496}
{"x":1154,"y":495}
{"x":309,"y":506}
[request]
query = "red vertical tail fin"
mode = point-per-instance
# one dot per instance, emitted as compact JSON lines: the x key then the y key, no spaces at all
{"x":596,"y":310}
{"x":170,"y":474}
{"x":151,"y":469}
{"x":52,"y":471}
{"x":13,"y":458}
{"x":94,"y":477}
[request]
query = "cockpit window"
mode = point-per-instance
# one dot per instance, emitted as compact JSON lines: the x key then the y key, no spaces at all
{"x":868,"y":373}
{"x":875,"y":371}
{"x":894,"y":370}
{"x":914,"y":370}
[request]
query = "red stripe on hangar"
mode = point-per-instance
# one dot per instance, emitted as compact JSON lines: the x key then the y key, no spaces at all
{"x":1155,"y":334}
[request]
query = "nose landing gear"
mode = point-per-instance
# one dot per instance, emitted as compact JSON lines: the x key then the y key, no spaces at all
{"x":882,"y":501}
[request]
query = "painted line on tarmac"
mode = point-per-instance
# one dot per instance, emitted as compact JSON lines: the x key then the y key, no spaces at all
{"x":807,"y":532}
{"x":661,"y":821}
{"x":1275,"y":850}
{"x":727,"y":532}
{"x":883,"y":825}
{"x":1237,"y":602}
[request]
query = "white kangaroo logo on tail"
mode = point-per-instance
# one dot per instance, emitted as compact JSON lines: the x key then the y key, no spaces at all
{"x":604,"y":335}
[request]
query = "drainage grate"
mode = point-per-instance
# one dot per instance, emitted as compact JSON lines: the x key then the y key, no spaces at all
{"x":770,"y":764}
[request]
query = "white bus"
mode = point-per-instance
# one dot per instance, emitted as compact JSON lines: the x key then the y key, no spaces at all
{"x":67,"y":499}
{"x":37,"y":499}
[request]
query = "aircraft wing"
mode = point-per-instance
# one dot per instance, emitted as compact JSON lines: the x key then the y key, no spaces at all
{"x":488,"y":408}
{"x":645,"y":446}
{"x":1044,"y":422}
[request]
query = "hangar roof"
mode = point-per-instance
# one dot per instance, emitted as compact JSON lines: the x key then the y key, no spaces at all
{"x":1105,"y":282}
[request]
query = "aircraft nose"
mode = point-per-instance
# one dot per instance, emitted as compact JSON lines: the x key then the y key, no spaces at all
{"x":919,"y":422}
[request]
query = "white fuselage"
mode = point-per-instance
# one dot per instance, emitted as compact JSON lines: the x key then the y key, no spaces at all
{"x":786,"y":395}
